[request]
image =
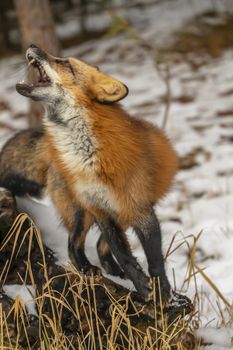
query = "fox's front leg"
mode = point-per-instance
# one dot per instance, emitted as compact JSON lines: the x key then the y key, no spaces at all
{"x":83,"y":221}
{"x":149,"y":233}
{"x":76,"y":220}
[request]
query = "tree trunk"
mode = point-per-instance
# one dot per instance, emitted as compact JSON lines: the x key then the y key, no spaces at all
{"x":37,"y":27}
{"x":83,"y":16}
{"x":4,"y":27}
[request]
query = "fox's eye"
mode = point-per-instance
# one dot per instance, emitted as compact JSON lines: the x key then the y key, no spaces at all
{"x":66,"y":63}
{"x":60,"y":61}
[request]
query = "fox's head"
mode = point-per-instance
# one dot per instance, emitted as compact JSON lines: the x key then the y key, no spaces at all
{"x":69,"y":78}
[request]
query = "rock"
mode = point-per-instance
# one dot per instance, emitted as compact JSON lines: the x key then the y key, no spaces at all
{"x":8,"y":212}
{"x":18,"y":244}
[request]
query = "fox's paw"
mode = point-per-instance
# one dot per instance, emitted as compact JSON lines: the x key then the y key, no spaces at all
{"x":177,"y":305}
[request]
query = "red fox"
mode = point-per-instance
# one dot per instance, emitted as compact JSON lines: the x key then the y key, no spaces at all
{"x":98,"y":164}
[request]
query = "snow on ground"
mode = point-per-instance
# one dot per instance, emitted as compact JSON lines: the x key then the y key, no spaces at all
{"x":201,"y":130}
{"x":24,"y":293}
{"x":223,"y":337}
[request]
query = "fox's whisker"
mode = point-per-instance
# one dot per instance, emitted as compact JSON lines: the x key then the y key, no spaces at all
{"x":17,"y":68}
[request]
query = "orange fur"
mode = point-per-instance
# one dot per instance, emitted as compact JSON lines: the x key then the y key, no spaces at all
{"x":135,"y":159}
{"x":137,"y":162}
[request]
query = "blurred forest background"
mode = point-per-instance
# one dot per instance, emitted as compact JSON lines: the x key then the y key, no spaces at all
{"x":82,"y":13}
{"x":55,"y":25}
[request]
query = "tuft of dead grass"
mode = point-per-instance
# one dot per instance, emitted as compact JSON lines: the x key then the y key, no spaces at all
{"x":70,"y":314}
{"x":85,"y":312}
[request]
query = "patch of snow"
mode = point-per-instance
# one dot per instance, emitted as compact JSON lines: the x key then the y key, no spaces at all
{"x":221,"y":336}
{"x":45,"y":215}
{"x":26,"y":294}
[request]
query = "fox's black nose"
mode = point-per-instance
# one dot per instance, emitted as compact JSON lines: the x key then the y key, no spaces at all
{"x":38,"y":52}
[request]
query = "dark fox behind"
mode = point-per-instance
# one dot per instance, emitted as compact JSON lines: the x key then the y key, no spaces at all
{"x":98,"y":164}
{"x":23,"y":166}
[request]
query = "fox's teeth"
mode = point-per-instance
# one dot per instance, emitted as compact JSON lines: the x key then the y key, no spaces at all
{"x":31,"y":62}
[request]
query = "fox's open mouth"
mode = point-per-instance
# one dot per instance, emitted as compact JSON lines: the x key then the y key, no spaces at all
{"x":42,"y":76}
{"x":41,"y":79}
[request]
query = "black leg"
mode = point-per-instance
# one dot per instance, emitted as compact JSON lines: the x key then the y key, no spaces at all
{"x":76,"y":245}
{"x":149,"y":234}
{"x":128,"y":263}
{"x":76,"y":220}
{"x":107,"y":260}
{"x":20,"y":185}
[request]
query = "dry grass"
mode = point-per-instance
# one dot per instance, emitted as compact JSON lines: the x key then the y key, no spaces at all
{"x":78,"y":300}
{"x":74,"y":306}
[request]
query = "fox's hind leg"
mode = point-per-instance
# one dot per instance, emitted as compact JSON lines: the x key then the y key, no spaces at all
{"x":149,"y":234}
{"x":106,"y":258}
{"x":116,"y":239}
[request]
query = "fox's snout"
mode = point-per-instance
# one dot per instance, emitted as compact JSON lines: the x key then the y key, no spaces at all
{"x":36,"y":51}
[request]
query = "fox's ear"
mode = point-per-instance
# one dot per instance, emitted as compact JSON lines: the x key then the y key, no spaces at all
{"x":108,"y":90}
